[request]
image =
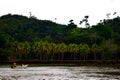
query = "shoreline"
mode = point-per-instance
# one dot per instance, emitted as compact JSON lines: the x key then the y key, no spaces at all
{"x":104,"y":63}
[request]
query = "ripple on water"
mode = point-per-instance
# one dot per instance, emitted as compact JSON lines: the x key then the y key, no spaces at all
{"x":60,"y":73}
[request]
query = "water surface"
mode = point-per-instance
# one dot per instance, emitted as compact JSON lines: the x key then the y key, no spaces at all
{"x":60,"y":73}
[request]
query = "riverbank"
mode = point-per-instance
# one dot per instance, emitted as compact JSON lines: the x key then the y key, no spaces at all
{"x":111,"y":63}
{"x":66,"y":63}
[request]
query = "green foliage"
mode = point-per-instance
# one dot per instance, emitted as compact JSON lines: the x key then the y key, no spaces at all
{"x":4,"y":39}
{"x":21,"y":28}
{"x":84,"y":50}
{"x":103,"y":31}
{"x":85,"y":20}
{"x":110,"y":51}
{"x":71,"y":25}
{"x":97,"y":51}
{"x":23,"y":38}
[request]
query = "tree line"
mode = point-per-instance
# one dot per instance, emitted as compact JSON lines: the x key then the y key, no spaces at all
{"x":42,"y":50}
{"x":23,"y":38}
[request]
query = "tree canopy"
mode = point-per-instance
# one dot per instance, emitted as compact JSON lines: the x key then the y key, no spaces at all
{"x":30,"y":38}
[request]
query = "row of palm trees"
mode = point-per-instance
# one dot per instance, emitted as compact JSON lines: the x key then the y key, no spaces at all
{"x":50,"y":51}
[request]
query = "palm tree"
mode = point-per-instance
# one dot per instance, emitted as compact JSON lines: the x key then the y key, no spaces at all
{"x":36,"y":49}
{"x":73,"y":48}
{"x":14,"y":49}
{"x":20,"y":48}
{"x":62,"y":49}
{"x":46,"y":50}
{"x":84,"y":50}
{"x":53,"y":51}
{"x":96,"y":50}
{"x":26,"y":49}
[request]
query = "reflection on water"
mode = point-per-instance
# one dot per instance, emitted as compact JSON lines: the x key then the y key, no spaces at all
{"x":60,"y":73}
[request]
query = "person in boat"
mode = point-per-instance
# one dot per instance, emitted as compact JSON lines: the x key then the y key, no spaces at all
{"x":14,"y":65}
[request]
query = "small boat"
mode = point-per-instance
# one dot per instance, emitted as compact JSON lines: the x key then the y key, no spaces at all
{"x":23,"y":66}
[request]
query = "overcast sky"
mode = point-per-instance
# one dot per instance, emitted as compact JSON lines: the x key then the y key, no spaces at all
{"x":62,"y":10}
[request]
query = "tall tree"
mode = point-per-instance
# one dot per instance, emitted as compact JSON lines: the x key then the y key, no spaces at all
{"x":85,"y":20}
{"x":84,"y":51}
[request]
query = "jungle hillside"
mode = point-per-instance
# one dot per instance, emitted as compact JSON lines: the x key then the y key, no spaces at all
{"x":29,"y":38}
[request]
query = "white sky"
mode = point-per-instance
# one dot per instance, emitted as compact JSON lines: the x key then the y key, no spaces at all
{"x":63,"y":10}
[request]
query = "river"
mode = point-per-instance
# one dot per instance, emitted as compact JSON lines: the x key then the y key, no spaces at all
{"x":60,"y":73}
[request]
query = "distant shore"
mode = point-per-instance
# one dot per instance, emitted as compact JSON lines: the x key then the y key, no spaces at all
{"x":114,"y":63}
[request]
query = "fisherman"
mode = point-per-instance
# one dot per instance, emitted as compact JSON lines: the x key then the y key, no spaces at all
{"x":14,"y":65}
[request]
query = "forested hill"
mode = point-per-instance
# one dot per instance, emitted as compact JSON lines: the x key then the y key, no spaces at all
{"x":21,"y":28}
{"x":20,"y":35}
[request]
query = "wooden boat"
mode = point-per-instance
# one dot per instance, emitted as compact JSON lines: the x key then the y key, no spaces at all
{"x":20,"y":67}
{"x":24,"y":66}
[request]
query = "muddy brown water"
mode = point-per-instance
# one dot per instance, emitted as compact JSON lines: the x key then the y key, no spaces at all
{"x":60,"y":73}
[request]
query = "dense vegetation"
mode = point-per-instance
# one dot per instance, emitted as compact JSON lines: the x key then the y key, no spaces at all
{"x":23,"y":38}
